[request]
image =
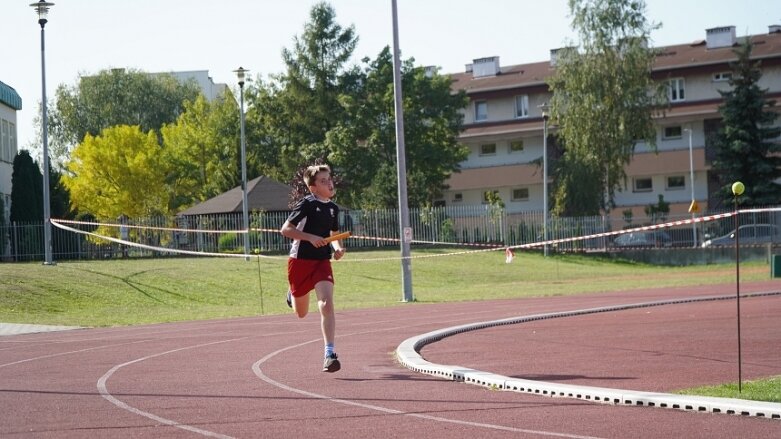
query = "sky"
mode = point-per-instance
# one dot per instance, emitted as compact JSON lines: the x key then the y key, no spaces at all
{"x":84,"y":37}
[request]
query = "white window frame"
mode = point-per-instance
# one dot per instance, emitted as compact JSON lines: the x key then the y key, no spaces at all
{"x":722,"y":76}
{"x":521,"y":106}
{"x":668,"y":136}
{"x":490,"y":153}
{"x":513,"y":194}
{"x":670,"y":187}
{"x":481,"y":116}
{"x":516,"y":142}
{"x":676,"y":89}
{"x":12,"y":136}
{"x":5,"y":141}
{"x":636,"y":180}
{"x":458,"y":197}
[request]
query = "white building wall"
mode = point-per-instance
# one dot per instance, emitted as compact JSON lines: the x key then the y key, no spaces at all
{"x":8,"y":150}
{"x":209,"y":89}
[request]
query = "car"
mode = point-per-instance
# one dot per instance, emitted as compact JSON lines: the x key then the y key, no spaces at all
{"x":654,"y":238}
{"x":749,"y":234}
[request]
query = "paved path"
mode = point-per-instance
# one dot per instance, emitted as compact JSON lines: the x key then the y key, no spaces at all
{"x":260,"y":377}
{"x":21,"y":328}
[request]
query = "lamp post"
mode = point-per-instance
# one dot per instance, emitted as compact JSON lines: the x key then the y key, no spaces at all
{"x":240,"y":72}
{"x":544,"y":108}
{"x":405,"y":230}
{"x":691,"y":183}
{"x":42,"y":9}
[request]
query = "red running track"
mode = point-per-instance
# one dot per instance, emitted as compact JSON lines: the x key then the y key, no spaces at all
{"x":260,"y":377}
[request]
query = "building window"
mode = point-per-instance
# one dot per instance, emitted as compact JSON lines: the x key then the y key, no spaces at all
{"x":675,"y":90}
{"x":521,"y":194}
{"x":522,"y":106}
{"x":722,"y":76}
{"x":643,"y":184}
{"x":516,"y":145}
{"x":488,"y":149}
{"x":458,"y":197}
{"x":5,"y":141}
{"x":481,"y":110}
{"x":14,"y":147}
{"x":672,"y":132}
{"x":676,"y":182}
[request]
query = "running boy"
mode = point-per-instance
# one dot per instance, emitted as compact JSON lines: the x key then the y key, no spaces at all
{"x":314,"y":218}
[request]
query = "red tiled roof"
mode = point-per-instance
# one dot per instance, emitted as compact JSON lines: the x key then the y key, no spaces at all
{"x":680,"y":56}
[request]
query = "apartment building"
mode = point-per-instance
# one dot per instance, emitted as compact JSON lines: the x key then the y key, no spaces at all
{"x":10,"y":103}
{"x":504,"y":126}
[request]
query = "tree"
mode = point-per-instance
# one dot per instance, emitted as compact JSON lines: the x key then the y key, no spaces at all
{"x":202,"y":151}
{"x":601,"y":102}
{"x":364,"y":148}
{"x":307,"y":101}
{"x":119,"y":172}
{"x":322,"y":110}
{"x":26,"y":206}
{"x":115,"y":97}
{"x":744,"y":148}
{"x":26,"y":189}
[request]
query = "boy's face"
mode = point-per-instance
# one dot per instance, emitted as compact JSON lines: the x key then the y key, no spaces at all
{"x":323,"y":186}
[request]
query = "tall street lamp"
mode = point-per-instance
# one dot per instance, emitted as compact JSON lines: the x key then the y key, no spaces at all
{"x":42,"y":8}
{"x":693,"y":207}
{"x":240,"y":72}
{"x":544,"y":108}
{"x":405,"y":231}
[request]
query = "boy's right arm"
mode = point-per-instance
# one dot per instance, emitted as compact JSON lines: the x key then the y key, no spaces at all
{"x":289,"y":230}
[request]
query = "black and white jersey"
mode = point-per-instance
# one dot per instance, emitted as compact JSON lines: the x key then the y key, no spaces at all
{"x":319,"y":218}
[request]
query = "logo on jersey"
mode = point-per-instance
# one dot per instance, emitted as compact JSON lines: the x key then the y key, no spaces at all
{"x":332,"y":211}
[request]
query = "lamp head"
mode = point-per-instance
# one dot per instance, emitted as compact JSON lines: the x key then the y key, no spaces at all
{"x":42,"y":9}
{"x":240,"y":73}
{"x":544,"y":108}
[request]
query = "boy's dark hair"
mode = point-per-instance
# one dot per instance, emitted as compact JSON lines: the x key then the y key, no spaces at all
{"x":311,"y":172}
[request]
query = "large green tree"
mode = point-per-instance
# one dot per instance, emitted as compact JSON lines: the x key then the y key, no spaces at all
{"x":119,"y":172}
{"x":201,"y":150}
{"x":603,"y":102}
{"x":745,"y":150}
{"x":364,"y":148}
{"x":306,"y":101}
{"x":115,"y":97}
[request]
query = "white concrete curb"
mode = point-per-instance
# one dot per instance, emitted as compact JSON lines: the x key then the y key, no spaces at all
{"x":408,"y":353}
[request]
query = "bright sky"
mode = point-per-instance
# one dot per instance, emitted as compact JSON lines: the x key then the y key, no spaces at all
{"x":86,"y":36}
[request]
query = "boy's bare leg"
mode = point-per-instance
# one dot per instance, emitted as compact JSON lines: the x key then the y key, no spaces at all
{"x":301,"y":305}
{"x":325,"y":302}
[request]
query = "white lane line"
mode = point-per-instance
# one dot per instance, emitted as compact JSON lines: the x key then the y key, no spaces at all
{"x":259,"y":372}
{"x":71,"y":352}
{"x":107,"y":395}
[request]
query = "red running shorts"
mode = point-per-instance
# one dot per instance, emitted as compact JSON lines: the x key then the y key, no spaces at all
{"x":304,"y":274}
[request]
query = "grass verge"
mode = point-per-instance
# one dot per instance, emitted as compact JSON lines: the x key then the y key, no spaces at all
{"x":768,"y":389}
{"x":139,"y":291}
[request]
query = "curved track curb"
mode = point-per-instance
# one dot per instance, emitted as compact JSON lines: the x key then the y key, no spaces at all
{"x":408,"y":353}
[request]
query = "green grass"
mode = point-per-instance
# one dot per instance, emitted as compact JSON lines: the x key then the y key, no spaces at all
{"x":768,"y":389}
{"x":138,"y":291}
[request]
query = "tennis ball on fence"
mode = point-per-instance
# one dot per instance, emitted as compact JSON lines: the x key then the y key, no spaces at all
{"x":738,"y":188}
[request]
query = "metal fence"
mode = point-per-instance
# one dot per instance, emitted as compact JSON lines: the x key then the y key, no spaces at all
{"x":471,"y":224}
